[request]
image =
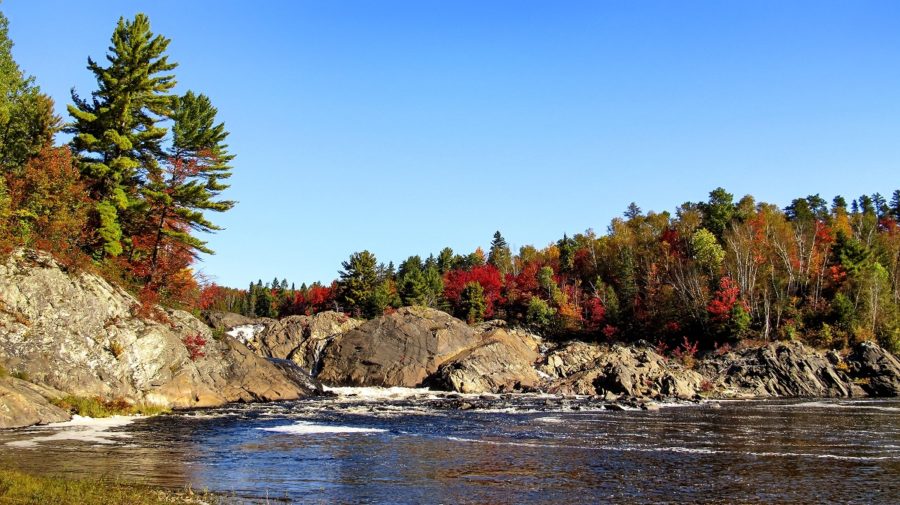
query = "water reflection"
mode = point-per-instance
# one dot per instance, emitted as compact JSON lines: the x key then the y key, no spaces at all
{"x":743,"y":451}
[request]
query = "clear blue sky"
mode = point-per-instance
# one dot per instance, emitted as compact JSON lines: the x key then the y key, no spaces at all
{"x":404,"y":127}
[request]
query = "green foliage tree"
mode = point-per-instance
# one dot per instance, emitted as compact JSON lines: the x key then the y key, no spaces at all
{"x":540,"y":314}
{"x":718,"y":211}
{"x":707,"y":252}
{"x":189,"y":182}
{"x":499,"y":255}
{"x":472,"y":303}
{"x":117,"y":133}
{"x":357,"y":284}
{"x":27,"y":121}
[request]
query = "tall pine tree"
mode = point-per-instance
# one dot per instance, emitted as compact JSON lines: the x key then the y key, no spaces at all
{"x":117,"y":132}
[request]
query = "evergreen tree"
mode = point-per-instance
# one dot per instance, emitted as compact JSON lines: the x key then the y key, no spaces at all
{"x":566,"y":254}
{"x":895,"y":204}
{"x":718,"y":211}
{"x":499,"y":255}
{"x":433,"y":295}
{"x":187,"y":185}
{"x":838,"y":204}
{"x":472,"y":303}
{"x":445,"y":260}
{"x":357,"y":283}
{"x":632,"y":211}
{"x":265,"y":303}
{"x":27,"y":122}
{"x":117,"y":133}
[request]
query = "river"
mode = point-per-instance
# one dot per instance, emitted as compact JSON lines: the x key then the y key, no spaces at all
{"x":415,"y":446}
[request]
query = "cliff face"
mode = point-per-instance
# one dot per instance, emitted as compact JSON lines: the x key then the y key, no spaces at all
{"x":76,"y":333}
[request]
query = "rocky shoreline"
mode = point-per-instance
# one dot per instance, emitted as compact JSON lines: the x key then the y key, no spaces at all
{"x":417,"y":346}
{"x":75,"y":334}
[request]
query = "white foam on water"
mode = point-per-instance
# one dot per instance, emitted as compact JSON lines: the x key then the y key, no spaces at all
{"x":306,"y":428}
{"x":379,"y":393}
{"x":678,"y":449}
{"x":80,"y":429}
{"x":823,"y":456}
{"x":548,"y":420}
{"x":245,"y":332}
{"x":841,"y":405}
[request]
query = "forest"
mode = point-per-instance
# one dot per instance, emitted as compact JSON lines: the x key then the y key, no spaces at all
{"x":711,"y":274}
{"x":131,"y":192}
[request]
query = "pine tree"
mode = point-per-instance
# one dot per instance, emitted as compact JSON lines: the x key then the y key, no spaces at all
{"x":177,"y":195}
{"x":357,"y":284}
{"x":895,"y":204}
{"x":117,"y":132}
{"x":500,"y":255}
{"x":411,"y":282}
{"x":445,"y":260}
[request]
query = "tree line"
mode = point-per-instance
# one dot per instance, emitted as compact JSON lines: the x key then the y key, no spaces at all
{"x":130,"y":192}
{"x":712,"y":273}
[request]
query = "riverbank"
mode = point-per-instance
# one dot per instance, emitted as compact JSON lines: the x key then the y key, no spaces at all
{"x":22,"y":488}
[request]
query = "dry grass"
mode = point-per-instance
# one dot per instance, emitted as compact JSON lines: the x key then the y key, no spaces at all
{"x":98,"y":407}
{"x":23,"y":489}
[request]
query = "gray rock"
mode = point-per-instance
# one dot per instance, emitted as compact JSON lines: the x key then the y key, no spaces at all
{"x":25,"y":404}
{"x":300,"y":339}
{"x":589,"y":369}
{"x":77,"y":333}
{"x":400,"y":349}
{"x":875,"y":370}
{"x":778,"y":369}
{"x":503,"y":361}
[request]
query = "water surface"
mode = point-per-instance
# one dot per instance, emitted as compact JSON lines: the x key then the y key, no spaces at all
{"x":418,"y":447}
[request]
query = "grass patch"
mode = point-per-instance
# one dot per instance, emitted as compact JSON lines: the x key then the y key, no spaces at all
{"x":3,"y":372}
{"x":21,"y":374}
{"x":98,"y":407}
{"x":21,"y":488}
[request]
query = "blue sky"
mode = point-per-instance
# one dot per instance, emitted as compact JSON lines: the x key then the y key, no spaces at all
{"x":404,"y":127}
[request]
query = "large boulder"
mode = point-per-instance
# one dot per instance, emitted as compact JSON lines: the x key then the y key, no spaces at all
{"x":875,"y":369}
{"x":780,"y":369}
{"x":23,"y":404}
{"x":78,"y":334}
{"x":400,"y":349}
{"x":300,"y":339}
{"x":502,"y":362}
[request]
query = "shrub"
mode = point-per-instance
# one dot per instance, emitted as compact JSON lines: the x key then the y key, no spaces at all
{"x":540,"y":314}
{"x":195,"y":343}
{"x":99,"y":407}
{"x":686,"y":353}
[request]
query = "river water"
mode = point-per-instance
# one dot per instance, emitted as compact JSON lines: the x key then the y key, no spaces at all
{"x":414,"y":446}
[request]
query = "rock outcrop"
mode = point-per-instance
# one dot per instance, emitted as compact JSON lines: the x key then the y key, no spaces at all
{"x":875,"y":370}
{"x":300,"y":339}
{"x":400,"y":349}
{"x":578,"y":368}
{"x":502,"y":362}
{"x":780,"y":369}
{"x":23,"y":404}
{"x":76,"y":333}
